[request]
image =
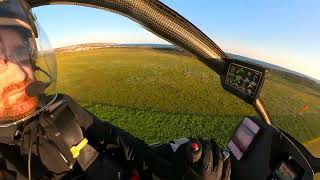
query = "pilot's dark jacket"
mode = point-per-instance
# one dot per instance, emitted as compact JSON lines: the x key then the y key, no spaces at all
{"x":66,"y":142}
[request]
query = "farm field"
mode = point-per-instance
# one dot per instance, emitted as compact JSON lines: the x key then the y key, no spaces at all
{"x":160,"y":95}
{"x":313,"y":147}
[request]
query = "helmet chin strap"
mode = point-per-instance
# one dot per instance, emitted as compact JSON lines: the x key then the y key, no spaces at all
{"x":36,"y":88}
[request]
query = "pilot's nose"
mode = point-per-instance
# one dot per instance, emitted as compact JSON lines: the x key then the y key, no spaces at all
{"x":11,"y":72}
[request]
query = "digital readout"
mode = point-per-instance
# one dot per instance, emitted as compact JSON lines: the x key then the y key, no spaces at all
{"x":284,"y":173}
{"x":244,"y":79}
{"x":243,"y":137}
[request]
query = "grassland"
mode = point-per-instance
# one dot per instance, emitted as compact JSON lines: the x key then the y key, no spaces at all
{"x":160,"y":95}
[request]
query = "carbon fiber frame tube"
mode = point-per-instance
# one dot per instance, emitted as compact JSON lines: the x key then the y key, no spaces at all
{"x":162,"y":21}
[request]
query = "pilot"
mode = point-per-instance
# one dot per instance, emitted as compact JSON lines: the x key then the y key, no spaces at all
{"x":52,"y":137}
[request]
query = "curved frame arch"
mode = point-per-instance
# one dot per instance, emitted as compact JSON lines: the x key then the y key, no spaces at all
{"x":160,"y":20}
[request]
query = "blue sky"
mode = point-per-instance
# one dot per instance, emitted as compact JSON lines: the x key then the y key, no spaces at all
{"x":286,"y":33}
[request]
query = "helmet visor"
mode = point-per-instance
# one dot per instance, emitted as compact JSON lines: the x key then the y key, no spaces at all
{"x":27,"y":64}
{"x":16,"y":74}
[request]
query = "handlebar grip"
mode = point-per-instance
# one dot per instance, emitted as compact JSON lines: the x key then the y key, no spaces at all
{"x":193,"y":151}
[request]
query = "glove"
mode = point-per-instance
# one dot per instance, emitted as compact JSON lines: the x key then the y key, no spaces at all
{"x":180,"y":164}
{"x":135,"y":151}
{"x":206,"y":162}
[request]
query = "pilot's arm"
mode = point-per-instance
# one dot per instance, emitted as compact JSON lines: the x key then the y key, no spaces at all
{"x":121,"y":155}
{"x":163,"y":162}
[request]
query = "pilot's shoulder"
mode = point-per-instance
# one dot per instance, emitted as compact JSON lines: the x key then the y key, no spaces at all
{"x":81,"y":115}
{"x":60,"y":99}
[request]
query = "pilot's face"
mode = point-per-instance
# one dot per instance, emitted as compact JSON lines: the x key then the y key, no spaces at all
{"x":15,"y":75}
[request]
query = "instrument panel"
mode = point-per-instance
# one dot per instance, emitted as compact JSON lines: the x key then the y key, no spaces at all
{"x":244,"y":80}
{"x":269,"y":154}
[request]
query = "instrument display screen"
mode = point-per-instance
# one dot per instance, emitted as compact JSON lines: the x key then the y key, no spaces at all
{"x":243,"y":137}
{"x":284,"y":172}
{"x":244,"y":79}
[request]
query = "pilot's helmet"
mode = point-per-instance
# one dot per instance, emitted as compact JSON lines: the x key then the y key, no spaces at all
{"x":27,"y":64}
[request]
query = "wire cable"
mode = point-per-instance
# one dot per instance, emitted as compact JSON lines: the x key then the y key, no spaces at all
{"x":29,"y":158}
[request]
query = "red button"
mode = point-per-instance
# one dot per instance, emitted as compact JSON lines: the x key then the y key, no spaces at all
{"x":195,"y":146}
{"x":135,"y":177}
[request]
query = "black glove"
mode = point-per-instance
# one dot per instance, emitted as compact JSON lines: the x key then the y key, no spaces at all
{"x":167,"y":164}
{"x":201,"y":160}
{"x":136,"y":153}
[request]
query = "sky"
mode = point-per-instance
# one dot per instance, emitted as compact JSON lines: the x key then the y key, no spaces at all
{"x":285,"y":33}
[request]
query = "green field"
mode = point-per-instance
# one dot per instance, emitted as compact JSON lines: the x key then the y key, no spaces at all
{"x":160,"y":95}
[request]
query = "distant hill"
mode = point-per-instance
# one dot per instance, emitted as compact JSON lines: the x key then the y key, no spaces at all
{"x":146,"y":45}
{"x":83,"y":47}
{"x":301,"y":80}
{"x":271,"y":66}
{"x":292,"y":75}
{"x":89,"y":46}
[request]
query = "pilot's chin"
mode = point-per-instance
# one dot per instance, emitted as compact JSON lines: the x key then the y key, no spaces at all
{"x":24,"y":108}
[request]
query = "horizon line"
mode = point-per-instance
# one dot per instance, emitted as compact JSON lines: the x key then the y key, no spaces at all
{"x":317,"y":80}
